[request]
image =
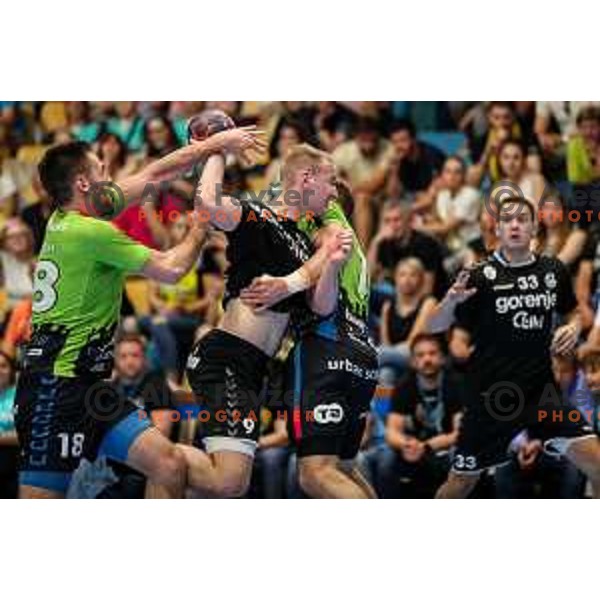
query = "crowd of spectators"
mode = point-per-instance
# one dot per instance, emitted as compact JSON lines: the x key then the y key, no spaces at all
{"x":423,"y":176}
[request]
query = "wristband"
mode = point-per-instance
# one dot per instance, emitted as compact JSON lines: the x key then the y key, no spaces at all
{"x":298,"y":281}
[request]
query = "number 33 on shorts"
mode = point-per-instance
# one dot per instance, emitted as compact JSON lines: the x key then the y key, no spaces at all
{"x":464,"y":463}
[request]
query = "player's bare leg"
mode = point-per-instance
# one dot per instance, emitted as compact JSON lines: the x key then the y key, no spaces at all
{"x":352,"y":471}
{"x":584,"y":453}
{"x":457,"y":486}
{"x":323,"y":477}
{"x":223,"y":474}
{"x":161,"y":461}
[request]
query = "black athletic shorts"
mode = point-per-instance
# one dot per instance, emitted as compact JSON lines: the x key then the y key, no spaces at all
{"x":226,"y":374}
{"x":489,"y":426}
{"x":333,"y":384}
{"x":60,"y":420}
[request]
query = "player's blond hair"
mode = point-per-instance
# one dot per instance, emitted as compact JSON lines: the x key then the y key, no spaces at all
{"x":301,"y":158}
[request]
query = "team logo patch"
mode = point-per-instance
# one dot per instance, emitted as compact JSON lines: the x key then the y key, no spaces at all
{"x":550,"y":280}
{"x":489,"y":272}
{"x":328,"y":413}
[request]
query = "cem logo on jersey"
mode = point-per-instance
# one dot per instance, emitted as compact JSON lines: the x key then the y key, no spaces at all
{"x":532,"y":297}
{"x":328,"y":413}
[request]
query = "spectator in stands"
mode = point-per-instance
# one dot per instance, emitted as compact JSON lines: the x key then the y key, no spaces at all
{"x":9,"y":450}
{"x":334,"y":124}
{"x":403,"y":318}
{"x":455,"y":209}
{"x":18,"y":328}
{"x":113,"y":152}
{"x":80,"y":124}
{"x":396,"y":240}
{"x":460,"y":348}
{"x":178,"y":309}
{"x":128,"y":125}
{"x":513,"y":174}
{"x":151,"y":393}
{"x":147,"y":222}
{"x":583,"y":165}
{"x":290,"y":134}
{"x":159,"y":137}
{"x":362,"y":161}
{"x":17,"y":261}
{"x":534,"y":472}
{"x":422,"y":425}
{"x":556,"y":237}
{"x":413,"y":164}
{"x":486,"y":243}
{"x":587,"y":282}
{"x":36,"y":215}
{"x":502,"y":125}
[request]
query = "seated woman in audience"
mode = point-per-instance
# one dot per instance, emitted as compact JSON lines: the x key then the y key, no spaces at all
{"x":146,"y":222}
{"x":17,"y":262}
{"x":454,"y":209}
{"x":556,"y":237}
{"x":403,"y":318}
{"x":514,"y":176}
{"x":487,"y":241}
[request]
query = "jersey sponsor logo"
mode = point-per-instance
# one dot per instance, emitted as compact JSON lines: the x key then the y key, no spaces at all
{"x":341,"y":364}
{"x":550,"y":280}
{"x":328,"y":413}
{"x":490,"y":272}
{"x":545,"y":300}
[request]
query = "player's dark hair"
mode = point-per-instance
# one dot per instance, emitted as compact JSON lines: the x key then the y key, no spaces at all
{"x":13,"y":367}
{"x":403,"y":125}
{"x":427,"y":337}
{"x":59,"y":167}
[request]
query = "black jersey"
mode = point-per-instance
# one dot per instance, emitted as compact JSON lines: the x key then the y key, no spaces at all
{"x":512,"y":318}
{"x":265,"y":244}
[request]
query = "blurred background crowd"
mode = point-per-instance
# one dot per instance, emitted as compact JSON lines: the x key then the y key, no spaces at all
{"x":421,"y":176}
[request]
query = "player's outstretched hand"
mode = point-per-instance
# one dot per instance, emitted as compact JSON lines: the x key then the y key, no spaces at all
{"x":565,"y":339}
{"x":340,"y":246}
{"x":264,"y":292}
{"x":239,"y":140}
{"x":459,"y":292}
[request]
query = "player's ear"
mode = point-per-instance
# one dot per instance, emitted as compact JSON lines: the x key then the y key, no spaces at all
{"x":82,"y":184}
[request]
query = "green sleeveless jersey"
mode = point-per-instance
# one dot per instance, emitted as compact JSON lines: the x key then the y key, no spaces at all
{"x":78,"y":287}
{"x":350,"y":317}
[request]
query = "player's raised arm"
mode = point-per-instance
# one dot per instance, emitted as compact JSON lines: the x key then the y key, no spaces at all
{"x":171,"y":265}
{"x":324,"y":296}
{"x":175,"y":163}
{"x":443,"y":315}
{"x":223,"y":212}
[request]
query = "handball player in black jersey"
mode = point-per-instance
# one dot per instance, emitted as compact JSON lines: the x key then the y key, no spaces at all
{"x":227,"y":367}
{"x":510,"y":303}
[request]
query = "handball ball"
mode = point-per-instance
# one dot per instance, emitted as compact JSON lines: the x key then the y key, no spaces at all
{"x":207,"y":123}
